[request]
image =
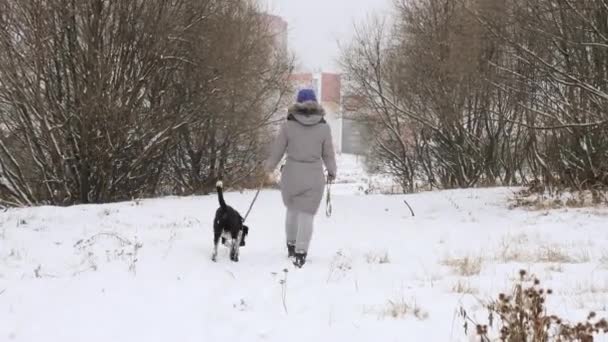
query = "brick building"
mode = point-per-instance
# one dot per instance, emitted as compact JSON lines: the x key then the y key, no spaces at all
{"x":346,"y":133}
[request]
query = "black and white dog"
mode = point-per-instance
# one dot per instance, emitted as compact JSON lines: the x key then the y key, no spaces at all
{"x":228,"y":226}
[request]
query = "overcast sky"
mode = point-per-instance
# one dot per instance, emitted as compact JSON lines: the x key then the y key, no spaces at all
{"x":315,"y":26}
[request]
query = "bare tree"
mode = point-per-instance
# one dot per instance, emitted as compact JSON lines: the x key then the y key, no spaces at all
{"x":481,"y":92}
{"x":425,"y":82}
{"x":78,"y":82}
{"x":231,"y":101}
{"x":564,"y":47}
{"x":106,"y":100}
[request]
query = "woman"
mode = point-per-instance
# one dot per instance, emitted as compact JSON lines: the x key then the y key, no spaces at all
{"x":306,"y":138}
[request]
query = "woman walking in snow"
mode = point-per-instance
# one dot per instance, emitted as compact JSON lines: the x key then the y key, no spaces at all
{"x":307,"y":140}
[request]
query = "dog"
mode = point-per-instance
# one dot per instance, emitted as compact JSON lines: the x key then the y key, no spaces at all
{"x":228,"y":226}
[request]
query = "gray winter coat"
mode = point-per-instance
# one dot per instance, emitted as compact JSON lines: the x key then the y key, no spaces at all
{"x":306,"y":138}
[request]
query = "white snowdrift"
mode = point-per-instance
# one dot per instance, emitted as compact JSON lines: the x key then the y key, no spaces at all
{"x":141,"y":271}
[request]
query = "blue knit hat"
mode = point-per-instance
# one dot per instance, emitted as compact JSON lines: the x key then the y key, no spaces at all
{"x":305,"y":95}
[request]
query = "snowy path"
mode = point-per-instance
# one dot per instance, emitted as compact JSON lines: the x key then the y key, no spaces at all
{"x":56,"y":289}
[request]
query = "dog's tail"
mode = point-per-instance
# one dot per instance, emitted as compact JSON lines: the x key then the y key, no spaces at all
{"x":220,"y":194}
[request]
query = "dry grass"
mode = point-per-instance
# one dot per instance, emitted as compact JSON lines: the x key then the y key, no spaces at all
{"x":604,"y":260}
{"x":340,"y":265}
{"x":377,"y":258}
{"x":510,"y":248}
{"x":430,"y":279}
{"x":399,"y":308}
{"x":518,"y":248}
{"x":557,"y":254}
{"x":553,"y":255}
{"x":466,"y":267}
{"x":464,"y":287}
{"x":592,"y":302}
{"x":557,"y":268}
{"x":559,"y":200}
{"x":590,"y":287}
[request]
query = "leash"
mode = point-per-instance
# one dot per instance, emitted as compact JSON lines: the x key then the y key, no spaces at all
{"x":254,"y":199}
{"x":328,"y":206}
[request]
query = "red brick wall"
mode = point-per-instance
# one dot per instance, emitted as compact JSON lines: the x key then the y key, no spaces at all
{"x":304,"y":80}
{"x":330,"y":84}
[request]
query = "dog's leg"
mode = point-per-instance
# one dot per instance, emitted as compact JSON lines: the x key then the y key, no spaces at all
{"x":239,"y":239}
{"x":234,"y":256}
{"x":234,"y":253}
{"x":216,"y":241}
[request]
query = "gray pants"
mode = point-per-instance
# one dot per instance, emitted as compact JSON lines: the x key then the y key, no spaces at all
{"x":298,"y":228}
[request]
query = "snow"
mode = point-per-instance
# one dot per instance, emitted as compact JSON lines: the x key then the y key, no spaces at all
{"x":141,"y":270}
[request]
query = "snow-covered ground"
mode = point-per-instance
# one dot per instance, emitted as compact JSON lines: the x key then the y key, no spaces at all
{"x":141,"y":271}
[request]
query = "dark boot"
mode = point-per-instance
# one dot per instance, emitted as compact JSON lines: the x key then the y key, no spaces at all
{"x":291,"y":251}
{"x":300,"y":260}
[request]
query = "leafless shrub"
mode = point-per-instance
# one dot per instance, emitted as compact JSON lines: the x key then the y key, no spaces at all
{"x":478,"y":93}
{"x":231,"y":103}
{"x":522,"y":316}
{"x":103,"y":100}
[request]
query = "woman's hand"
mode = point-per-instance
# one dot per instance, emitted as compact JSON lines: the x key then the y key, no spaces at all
{"x":331,"y":177}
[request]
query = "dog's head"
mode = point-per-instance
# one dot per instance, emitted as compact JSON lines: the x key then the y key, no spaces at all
{"x":244,"y":235}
